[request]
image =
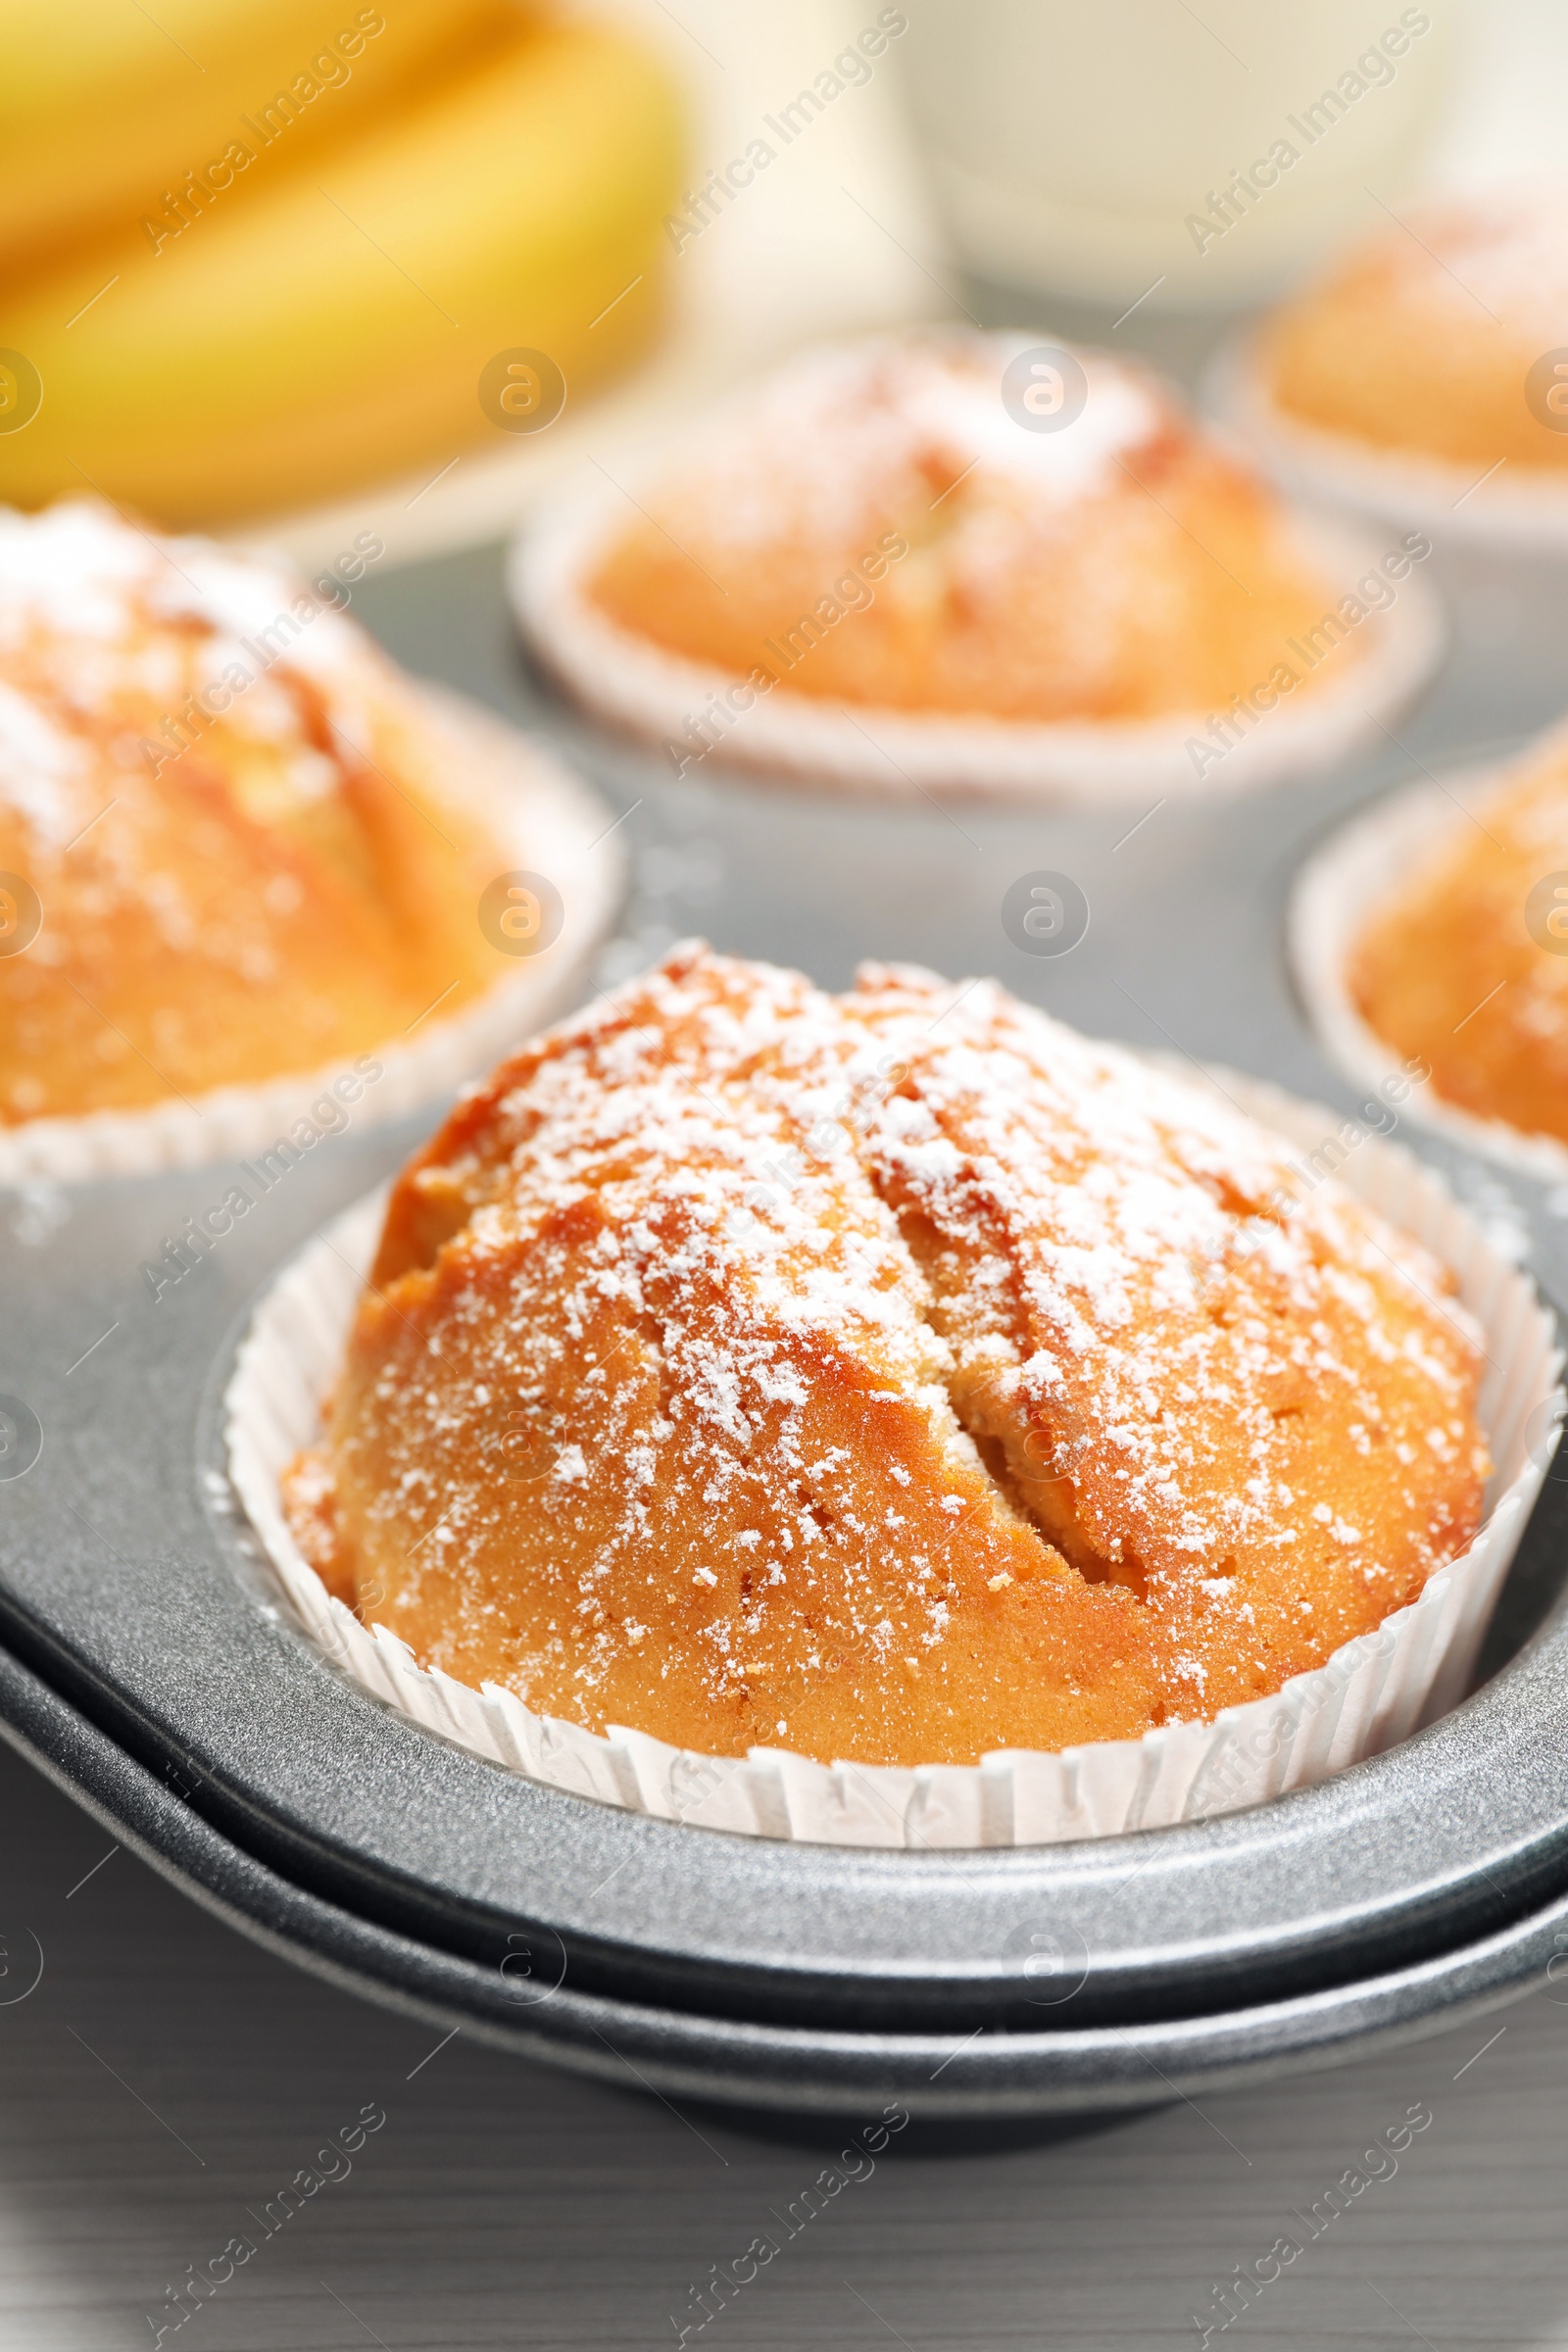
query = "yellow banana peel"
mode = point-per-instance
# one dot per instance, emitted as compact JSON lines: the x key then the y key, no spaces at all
{"x":105,"y":108}
{"x":316,"y":326}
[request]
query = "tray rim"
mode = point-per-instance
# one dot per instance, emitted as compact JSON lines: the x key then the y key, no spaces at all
{"x":740,"y":2063}
{"x":1443,"y":1899}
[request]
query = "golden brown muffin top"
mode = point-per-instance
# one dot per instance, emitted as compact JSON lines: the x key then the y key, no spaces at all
{"x":896,"y":1376}
{"x":874,"y":524}
{"x":253,"y":849}
{"x":1423,"y":338}
{"x":1467,"y":965}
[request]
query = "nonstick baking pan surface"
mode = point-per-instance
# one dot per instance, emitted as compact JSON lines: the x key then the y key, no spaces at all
{"x":149,"y":1665}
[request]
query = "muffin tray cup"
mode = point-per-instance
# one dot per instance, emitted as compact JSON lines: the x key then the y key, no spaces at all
{"x":1507,"y":509}
{"x":666,"y":699}
{"x":1370,"y":1694}
{"x":559,"y":828}
{"x":147,"y":1664}
{"x":1348,"y":877}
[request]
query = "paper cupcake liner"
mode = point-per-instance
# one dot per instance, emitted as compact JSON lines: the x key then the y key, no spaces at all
{"x":559,"y":828}
{"x":639,"y":687}
{"x":1516,"y":507}
{"x":1350,"y":880}
{"x":1370,"y":1694}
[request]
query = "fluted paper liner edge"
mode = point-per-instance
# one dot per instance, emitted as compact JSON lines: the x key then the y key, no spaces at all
{"x":558,"y":827}
{"x":1371,"y":1694}
{"x":640,"y":688}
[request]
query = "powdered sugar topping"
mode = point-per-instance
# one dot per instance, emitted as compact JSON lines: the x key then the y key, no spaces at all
{"x":725,"y":1200}
{"x":118,"y":648}
{"x":841,"y":429}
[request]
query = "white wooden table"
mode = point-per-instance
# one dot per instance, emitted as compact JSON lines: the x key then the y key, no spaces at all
{"x":166,"y":2079}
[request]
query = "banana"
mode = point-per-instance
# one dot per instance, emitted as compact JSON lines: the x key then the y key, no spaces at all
{"x":102,"y":109}
{"x":306,"y":331}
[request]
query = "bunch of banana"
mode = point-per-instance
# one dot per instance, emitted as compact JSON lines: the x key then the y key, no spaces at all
{"x":296,"y":265}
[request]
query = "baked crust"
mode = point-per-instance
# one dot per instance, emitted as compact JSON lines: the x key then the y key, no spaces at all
{"x":275,"y":877}
{"x":896,"y":1377}
{"x":873,"y":526}
{"x":1451,"y":970}
{"x":1420,"y":340}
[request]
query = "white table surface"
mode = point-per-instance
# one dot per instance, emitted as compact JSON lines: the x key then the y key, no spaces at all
{"x":165,"y":2075}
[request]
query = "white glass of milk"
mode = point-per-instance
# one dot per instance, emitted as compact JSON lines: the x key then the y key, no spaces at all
{"x":1196,"y":156}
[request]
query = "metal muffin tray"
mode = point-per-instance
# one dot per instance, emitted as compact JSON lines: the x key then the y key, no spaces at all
{"x":149,"y":1668}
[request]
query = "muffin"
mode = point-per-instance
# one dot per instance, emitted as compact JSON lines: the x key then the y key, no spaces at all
{"x":235,"y":841}
{"x":1421,"y":370}
{"x":1463,"y":967}
{"x":884,"y":565}
{"x":897,"y":1376}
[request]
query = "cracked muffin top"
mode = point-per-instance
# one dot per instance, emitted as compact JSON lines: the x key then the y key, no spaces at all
{"x":1424,"y":340}
{"x":234,"y":843}
{"x":1466,"y":965}
{"x":894,"y":1377}
{"x":883,"y":524}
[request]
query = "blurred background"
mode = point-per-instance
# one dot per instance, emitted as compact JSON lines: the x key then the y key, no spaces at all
{"x":292,"y":272}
